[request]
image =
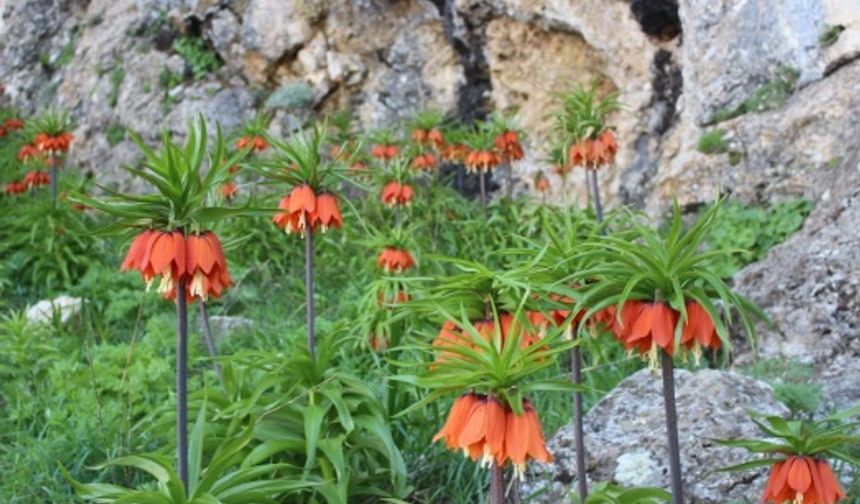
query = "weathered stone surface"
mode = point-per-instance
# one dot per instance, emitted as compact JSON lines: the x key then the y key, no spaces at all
{"x":224,"y":325}
{"x":65,"y":307}
{"x":810,"y":285}
{"x":731,"y":47}
{"x":625,"y":437}
{"x":270,"y":30}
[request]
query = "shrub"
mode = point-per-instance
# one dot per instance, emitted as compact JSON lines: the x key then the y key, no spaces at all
{"x":198,"y":56}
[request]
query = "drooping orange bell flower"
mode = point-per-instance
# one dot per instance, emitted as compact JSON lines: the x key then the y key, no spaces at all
{"x":397,"y":297}
{"x":424,"y":162}
{"x":654,"y":326}
{"x":541,"y":183}
{"x":395,"y":193}
{"x":53,"y":143}
{"x":699,"y":330}
{"x":435,"y":138}
{"x":207,"y":267}
{"x":456,"y":421}
{"x":454,"y":153}
{"x":377,"y":342}
{"x":36,"y":178}
{"x":481,"y":161}
{"x":610,"y":147}
{"x":419,"y":136}
{"x":327,"y":213}
{"x":384,"y":151}
{"x":395,"y":260}
{"x":483,"y":435}
{"x":16,"y":188}
{"x":449,"y":338}
{"x":255,"y":142}
{"x":358,"y":166}
{"x":229,"y":190}
{"x":524,"y":439}
{"x":298,"y":212}
{"x":508,"y":144}
{"x":27,"y":153}
{"x":13,"y":124}
{"x":802,"y":480}
{"x":158,"y":253}
{"x":3,"y":132}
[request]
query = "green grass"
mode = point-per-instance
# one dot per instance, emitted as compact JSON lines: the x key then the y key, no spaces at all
{"x":792,"y":383}
{"x":115,"y":133}
{"x":713,"y":142}
{"x":770,"y":96}
{"x":830,"y":34}
{"x":117,"y":75}
{"x":198,"y":55}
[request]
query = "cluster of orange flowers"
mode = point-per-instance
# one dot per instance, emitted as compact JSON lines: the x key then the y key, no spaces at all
{"x":594,"y":152}
{"x":508,"y":145}
{"x":482,"y":160}
{"x":196,"y":259}
{"x":36,"y":178}
{"x":433,"y":137}
{"x":16,"y":188}
{"x":53,"y":144}
{"x":10,"y":124}
{"x":254,"y":142}
{"x":384,"y":152}
{"x":454,"y":153}
{"x":483,"y":428}
{"x":424,"y":161}
{"x":28,"y":153}
{"x":395,"y":260}
{"x":302,"y":209}
{"x":395,"y":193}
{"x":541,"y":183}
{"x":229,"y":189}
{"x":645,"y":326}
{"x":802,"y":480}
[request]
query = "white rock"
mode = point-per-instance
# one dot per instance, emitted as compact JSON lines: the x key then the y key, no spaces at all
{"x":43,"y":312}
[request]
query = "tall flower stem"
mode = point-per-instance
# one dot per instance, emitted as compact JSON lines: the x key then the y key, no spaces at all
{"x":578,"y":434}
{"x":510,"y":179}
{"x":182,"y":383}
{"x":672,"y":427}
{"x":483,"y":185}
{"x":595,"y":190}
{"x":210,"y":341}
{"x":52,"y":159}
{"x":497,"y":485}
{"x":309,"y":291}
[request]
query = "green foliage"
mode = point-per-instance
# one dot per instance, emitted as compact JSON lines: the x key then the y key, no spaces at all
{"x":746,"y":233}
{"x":769,"y":96}
{"x":198,"y":56}
{"x":117,"y":75}
{"x":792,"y":383}
{"x":607,"y":493}
{"x":115,"y":133}
{"x":830,"y":34}
{"x":713,"y":142}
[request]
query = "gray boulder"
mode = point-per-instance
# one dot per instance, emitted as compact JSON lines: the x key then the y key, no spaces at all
{"x":625,"y":437}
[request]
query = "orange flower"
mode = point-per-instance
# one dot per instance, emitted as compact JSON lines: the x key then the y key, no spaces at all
{"x":13,"y":124}
{"x":455,"y":153}
{"x":27,"y":152}
{"x":579,"y":154}
{"x":435,"y":138}
{"x":395,"y":193}
{"x":53,"y":143}
{"x":561,"y":169}
{"x":654,"y":326}
{"x":399,"y":296}
{"x":299,"y":208}
{"x":155,"y":253}
{"x":524,"y":439}
{"x":3,"y":132}
{"x":449,"y":337}
{"x":207,"y":267}
{"x":378,"y":342}
{"x":419,"y":136}
{"x":395,"y":260}
{"x":255,"y":142}
{"x":384,"y":151}
{"x":802,"y":480}
{"x":15,"y":188}
{"x":481,"y":161}
{"x":508,"y":143}
{"x":699,"y":330}
{"x":610,"y":146}
{"x":541,"y":183}
{"x":327,"y":213}
{"x":36,"y":178}
{"x":358,"y":166}
{"x":456,"y":421}
{"x":484,"y":428}
{"x":229,"y":189}
{"x":424,"y":162}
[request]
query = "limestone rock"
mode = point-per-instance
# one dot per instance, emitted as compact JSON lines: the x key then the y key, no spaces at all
{"x":625,"y":437}
{"x":224,"y":325}
{"x":271,"y":29}
{"x":65,"y":307}
{"x":731,"y":47}
{"x":844,"y":17}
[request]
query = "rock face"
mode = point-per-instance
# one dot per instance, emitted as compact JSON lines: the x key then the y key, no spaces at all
{"x":64,"y":307}
{"x":625,"y":437}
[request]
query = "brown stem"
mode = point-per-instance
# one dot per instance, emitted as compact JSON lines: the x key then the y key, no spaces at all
{"x":309,"y":291}
{"x":182,"y":383}
{"x":52,"y":159}
{"x":497,"y":485}
{"x":595,"y":189}
{"x":510,"y":177}
{"x":578,"y":434}
{"x":672,"y":427}
{"x":483,"y":184}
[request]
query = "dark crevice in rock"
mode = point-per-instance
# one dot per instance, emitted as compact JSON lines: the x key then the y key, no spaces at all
{"x":666,"y":84}
{"x":836,"y":65}
{"x":658,"y":18}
